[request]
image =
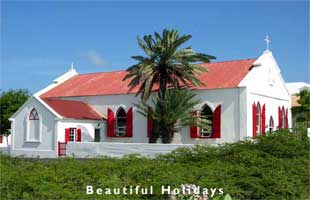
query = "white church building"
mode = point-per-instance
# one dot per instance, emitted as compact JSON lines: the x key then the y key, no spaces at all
{"x":242,"y":98}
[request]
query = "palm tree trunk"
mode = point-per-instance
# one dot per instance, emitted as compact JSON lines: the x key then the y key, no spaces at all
{"x":162,"y":87}
{"x":167,"y":135}
{"x":163,"y":132}
{"x":155,"y":133}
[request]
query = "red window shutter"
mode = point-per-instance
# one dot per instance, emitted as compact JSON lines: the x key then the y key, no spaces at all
{"x":67,"y":134}
{"x":286,"y":119}
{"x":280,"y":117}
{"x":129,"y":123}
{"x":111,"y":124}
{"x":194,"y":132}
{"x":79,"y":135}
{"x":254,"y":120}
{"x":217,"y":122}
{"x":1,"y":139}
{"x":194,"y":129}
{"x":263,"y":119}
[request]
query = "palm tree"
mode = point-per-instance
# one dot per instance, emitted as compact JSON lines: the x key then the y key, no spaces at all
{"x":165,"y":64}
{"x":178,"y":108}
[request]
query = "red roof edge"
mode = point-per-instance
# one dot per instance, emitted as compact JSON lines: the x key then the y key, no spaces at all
{"x":73,"y":109}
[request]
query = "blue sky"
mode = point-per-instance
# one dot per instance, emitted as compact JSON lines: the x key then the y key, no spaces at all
{"x":39,"y":40}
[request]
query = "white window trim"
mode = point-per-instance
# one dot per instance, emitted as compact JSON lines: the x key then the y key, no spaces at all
{"x":74,"y":135}
{"x":200,"y":110}
{"x":271,"y":128}
{"x":116,"y":126}
{"x":28,"y":126}
{"x":258,"y":120}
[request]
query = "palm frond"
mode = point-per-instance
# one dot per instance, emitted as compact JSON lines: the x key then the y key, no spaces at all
{"x":176,"y":109}
{"x":165,"y":59}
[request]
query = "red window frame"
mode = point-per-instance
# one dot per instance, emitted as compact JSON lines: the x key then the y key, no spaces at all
{"x":216,"y":125}
{"x":112,"y":123}
{"x":77,"y":135}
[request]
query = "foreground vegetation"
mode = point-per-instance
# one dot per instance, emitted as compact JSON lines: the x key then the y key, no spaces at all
{"x":271,"y":167}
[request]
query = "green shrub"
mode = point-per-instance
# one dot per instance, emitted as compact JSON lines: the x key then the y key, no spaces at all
{"x":275,"y":166}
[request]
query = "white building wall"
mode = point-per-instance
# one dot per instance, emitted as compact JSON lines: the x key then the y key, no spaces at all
{"x":271,"y":110}
{"x":46,"y":145}
{"x":5,"y":141}
{"x":115,"y":149}
{"x":87,"y":129}
{"x":230,"y":126}
{"x":114,"y":102}
{"x":265,"y":85}
{"x":265,"y":78}
{"x":230,"y":99}
{"x":243,"y":114}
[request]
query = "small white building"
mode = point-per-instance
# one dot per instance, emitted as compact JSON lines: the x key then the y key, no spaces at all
{"x":295,"y":87}
{"x":4,"y":142}
{"x":243,"y":98}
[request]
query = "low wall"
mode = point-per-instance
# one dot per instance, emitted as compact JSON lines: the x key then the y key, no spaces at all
{"x":97,"y":149}
{"x":5,"y":150}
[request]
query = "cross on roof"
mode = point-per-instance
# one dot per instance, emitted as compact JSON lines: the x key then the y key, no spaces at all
{"x":267,"y":42}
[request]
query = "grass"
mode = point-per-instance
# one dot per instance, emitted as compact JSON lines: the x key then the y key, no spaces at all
{"x":271,"y":167}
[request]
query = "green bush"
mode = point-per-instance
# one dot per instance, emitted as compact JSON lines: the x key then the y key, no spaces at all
{"x":275,"y":166}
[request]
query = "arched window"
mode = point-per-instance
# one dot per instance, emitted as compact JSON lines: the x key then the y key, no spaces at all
{"x":33,"y":115}
{"x":33,"y":126}
{"x":120,"y":122}
{"x":206,"y":113}
{"x":258,"y":119}
{"x":283,"y":117}
{"x":271,"y":124}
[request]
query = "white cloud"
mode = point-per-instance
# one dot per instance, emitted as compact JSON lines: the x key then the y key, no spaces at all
{"x":95,"y":59}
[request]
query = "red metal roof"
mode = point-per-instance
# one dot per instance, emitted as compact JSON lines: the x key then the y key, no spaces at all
{"x":220,"y":75}
{"x":73,"y":109}
{"x":225,"y":74}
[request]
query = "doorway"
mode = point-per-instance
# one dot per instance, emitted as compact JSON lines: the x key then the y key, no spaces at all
{"x":97,"y":134}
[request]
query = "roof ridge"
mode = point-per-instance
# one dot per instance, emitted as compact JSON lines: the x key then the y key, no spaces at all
{"x":124,"y":70}
{"x":233,"y":60}
{"x":102,"y":72}
{"x":110,"y":83}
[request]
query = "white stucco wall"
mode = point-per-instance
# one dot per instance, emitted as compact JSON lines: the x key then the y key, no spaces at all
{"x":46,"y":146}
{"x":232,"y":114}
{"x":102,"y":103}
{"x":230,"y":99}
{"x":115,"y":149}
{"x":87,"y":129}
{"x":271,"y":110}
{"x":5,"y":141}
{"x":265,"y":85}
